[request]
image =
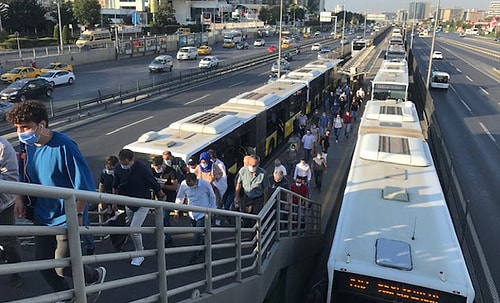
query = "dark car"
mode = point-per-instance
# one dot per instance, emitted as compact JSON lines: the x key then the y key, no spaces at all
{"x":24,"y":89}
{"x":242,"y":45}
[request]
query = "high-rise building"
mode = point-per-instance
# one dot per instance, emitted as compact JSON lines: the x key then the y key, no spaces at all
{"x":494,"y":9}
{"x":419,"y":10}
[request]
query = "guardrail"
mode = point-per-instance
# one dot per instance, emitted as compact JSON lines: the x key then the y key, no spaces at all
{"x":232,"y":253}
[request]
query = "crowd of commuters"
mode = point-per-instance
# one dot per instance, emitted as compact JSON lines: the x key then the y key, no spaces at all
{"x":51,"y":158}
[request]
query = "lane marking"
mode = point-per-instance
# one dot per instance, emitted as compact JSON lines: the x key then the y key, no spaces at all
{"x":458,"y":70}
{"x":237,"y":83}
{"x":461,"y":100}
{"x":487,"y":131}
{"x":484,"y":91}
{"x":129,"y":125}
{"x":197,"y":99}
{"x":469,"y":78}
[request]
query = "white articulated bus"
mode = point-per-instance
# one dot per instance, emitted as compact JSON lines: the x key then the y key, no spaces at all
{"x":395,"y":240}
{"x":391,"y":81}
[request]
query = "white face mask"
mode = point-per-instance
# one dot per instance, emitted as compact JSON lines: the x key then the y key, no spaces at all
{"x":109,"y":171}
{"x":252,"y":169}
{"x":298,"y":184}
{"x":204,"y":165}
{"x":158,"y":170}
{"x":168,"y":162}
{"x":318,"y":156}
{"x":192,"y":169}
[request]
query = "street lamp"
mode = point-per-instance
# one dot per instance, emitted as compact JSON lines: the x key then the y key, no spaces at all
{"x":343,"y":31}
{"x":432,"y":44}
{"x":59,"y":23}
{"x":18,"y":46}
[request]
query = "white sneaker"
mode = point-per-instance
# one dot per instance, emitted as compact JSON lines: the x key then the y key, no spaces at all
{"x":217,"y":222}
{"x":137,"y":261}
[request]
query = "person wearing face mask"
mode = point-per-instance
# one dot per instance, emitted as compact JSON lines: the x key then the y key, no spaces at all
{"x":302,"y":171}
{"x":251,"y":187}
{"x":167,"y":179}
{"x":301,"y":189}
{"x":198,"y":192}
{"x":210,"y":172}
{"x":135,"y":179}
{"x":176,"y":163}
{"x":319,"y":166}
{"x":106,"y":184}
{"x":53,"y":159}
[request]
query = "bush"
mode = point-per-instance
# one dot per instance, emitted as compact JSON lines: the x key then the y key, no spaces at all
{"x":11,"y":42}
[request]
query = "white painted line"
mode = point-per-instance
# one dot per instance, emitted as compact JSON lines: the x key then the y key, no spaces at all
{"x":483,"y":90}
{"x":461,"y":100}
{"x":197,"y":99}
{"x":487,"y":131}
{"x":238,"y":83}
{"x":458,"y":70}
{"x":469,"y":78}
{"x":129,"y":125}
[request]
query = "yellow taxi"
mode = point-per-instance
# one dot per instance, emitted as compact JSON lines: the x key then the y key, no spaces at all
{"x":306,"y":35}
{"x":20,"y":72}
{"x":285,"y":45}
{"x":204,"y":50}
{"x":229,"y":44}
{"x":58,"y":66}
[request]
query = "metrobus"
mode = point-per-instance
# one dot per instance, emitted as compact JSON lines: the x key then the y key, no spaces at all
{"x":395,"y":52}
{"x":94,"y":39}
{"x":254,"y":122}
{"x":391,"y":81}
{"x":357,"y":46}
{"x":394,"y":239}
{"x":440,"y":80}
{"x":318,"y":76}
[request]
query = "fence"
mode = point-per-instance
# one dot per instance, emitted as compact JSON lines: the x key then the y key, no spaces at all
{"x":232,"y":252}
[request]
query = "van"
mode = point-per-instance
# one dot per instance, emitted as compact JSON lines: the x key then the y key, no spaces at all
{"x":161,"y":64}
{"x":187,"y":53}
{"x":94,"y":39}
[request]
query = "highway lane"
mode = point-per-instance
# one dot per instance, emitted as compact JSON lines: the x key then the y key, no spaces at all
{"x":468,"y":114}
{"x":108,"y":77}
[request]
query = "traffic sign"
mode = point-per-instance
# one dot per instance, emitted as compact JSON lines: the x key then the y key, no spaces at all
{"x":136,"y":18}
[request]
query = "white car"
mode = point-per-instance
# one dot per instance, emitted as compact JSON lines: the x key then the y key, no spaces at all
{"x":324,"y":54}
{"x":344,"y":41}
{"x":285,"y":65}
{"x":437,"y":55}
{"x":58,"y":77}
{"x":259,"y":42}
{"x":316,"y":47}
{"x":209,"y":62}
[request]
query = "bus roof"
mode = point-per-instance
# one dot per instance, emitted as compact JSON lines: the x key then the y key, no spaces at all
{"x":266,"y":96}
{"x":393,"y":117}
{"x":190,"y":135}
{"x":392,"y":72}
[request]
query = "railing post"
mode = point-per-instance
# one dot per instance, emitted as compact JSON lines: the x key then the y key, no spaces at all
{"x":75,"y":248}
{"x":238,"y":248}
{"x":259,"y":246}
{"x":160,"y":248}
{"x":208,"y":253}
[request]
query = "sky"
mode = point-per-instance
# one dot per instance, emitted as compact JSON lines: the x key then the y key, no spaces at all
{"x":379,"y":6}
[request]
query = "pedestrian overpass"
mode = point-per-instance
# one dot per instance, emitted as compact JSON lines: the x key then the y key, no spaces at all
{"x":239,"y":264}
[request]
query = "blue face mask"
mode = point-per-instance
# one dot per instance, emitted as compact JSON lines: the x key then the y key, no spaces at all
{"x":28,"y":138}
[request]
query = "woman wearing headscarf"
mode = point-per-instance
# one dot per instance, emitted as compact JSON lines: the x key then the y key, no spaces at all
{"x":206,"y":170}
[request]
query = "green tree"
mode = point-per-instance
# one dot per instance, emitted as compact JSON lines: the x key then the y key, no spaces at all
{"x":25,"y":16}
{"x":56,"y":32}
{"x":87,"y":12}
{"x":265,"y":14}
{"x":165,"y":15}
{"x":66,"y":33}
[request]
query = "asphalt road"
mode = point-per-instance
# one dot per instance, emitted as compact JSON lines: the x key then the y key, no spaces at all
{"x":468,"y":113}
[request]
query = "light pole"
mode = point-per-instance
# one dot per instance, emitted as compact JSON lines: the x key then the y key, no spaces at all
{"x":279,"y":40}
{"x":412,"y":25}
{"x":59,"y":25}
{"x":18,"y":46}
{"x":343,"y":31}
{"x":432,"y":44}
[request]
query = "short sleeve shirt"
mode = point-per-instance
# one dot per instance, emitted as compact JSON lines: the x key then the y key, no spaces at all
{"x":253,"y":186}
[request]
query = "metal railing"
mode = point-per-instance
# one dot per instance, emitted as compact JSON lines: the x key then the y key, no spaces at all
{"x":232,"y":253}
